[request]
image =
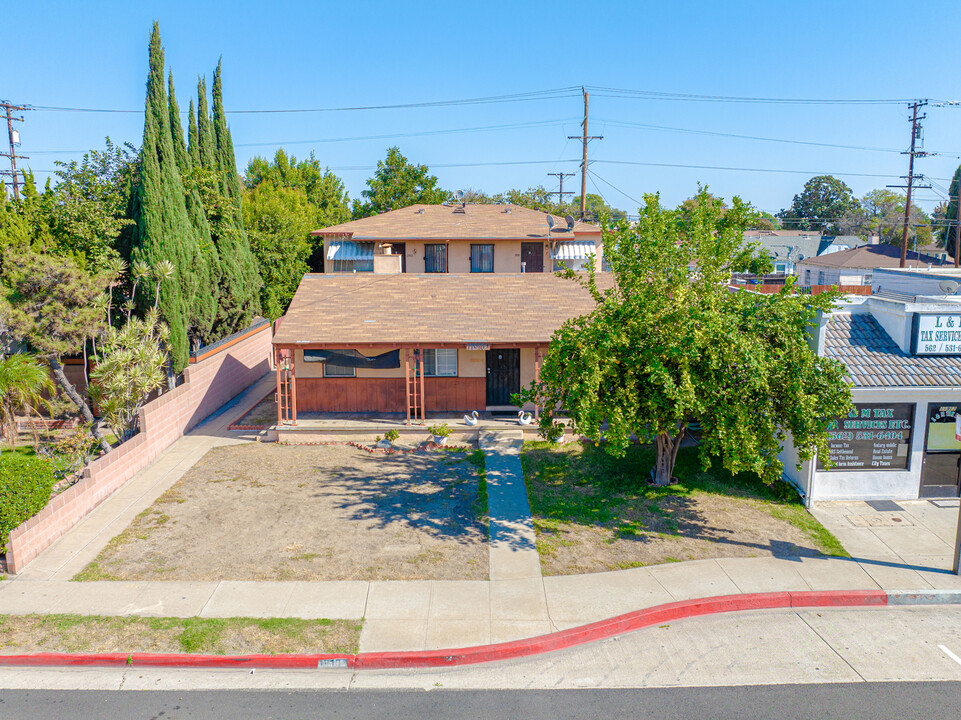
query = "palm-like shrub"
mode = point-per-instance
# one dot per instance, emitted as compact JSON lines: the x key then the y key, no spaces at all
{"x":130,"y":365}
{"x":23,"y":381}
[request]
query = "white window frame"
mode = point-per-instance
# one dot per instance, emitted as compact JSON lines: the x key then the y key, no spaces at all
{"x":449,"y":362}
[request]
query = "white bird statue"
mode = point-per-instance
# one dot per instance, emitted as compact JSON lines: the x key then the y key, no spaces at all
{"x":524,"y":418}
{"x":471,"y":419}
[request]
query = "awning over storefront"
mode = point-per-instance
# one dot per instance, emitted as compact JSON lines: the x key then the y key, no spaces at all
{"x":573,"y":249}
{"x":348,"y":250}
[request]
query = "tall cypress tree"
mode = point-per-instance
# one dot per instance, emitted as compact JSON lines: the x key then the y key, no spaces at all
{"x":240,"y":278}
{"x":205,"y":130}
{"x":949,"y":228}
{"x":203,"y":309}
{"x":163,"y":230}
{"x":192,"y":139}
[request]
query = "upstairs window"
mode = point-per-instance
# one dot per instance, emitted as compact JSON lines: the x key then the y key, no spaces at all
{"x":482,"y":258}
{"x":435,"y":258}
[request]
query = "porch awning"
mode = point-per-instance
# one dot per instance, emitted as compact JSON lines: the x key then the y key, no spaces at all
{"x":572,"y":249}
{"x":349,"y":250}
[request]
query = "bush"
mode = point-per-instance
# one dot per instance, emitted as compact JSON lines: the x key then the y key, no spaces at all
{"x":391,"y":435}
{"x":442,"y":430}
{"x":25,"y":485}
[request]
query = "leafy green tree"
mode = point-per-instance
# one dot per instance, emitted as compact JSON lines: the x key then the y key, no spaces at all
{"x":279,"y":221}
{"x":24,"y":380}
{"x":764,"y":221}
{"x":323,"y":189}
{"x":820,"y":206}
{"x":666,"y":346}
{"x":881,"y":213}
{"x":28,"y":222}
{"x":164,"y":230}
{"x":945,"y":230}
{"x":54,"y":307}
{"x":90,"y":200}
{"x":398,"y":184}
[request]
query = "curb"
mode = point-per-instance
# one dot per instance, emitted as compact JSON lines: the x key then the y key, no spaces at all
{"x":563,"y":639}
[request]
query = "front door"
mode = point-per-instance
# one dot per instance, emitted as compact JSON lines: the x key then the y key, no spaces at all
{"x":532,"y":256}
{"x":941,"y":467}
{"x":503,"y":375}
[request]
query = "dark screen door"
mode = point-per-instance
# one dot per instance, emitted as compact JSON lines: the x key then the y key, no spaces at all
{"x":532,"y":255}
{"x":941,"y":466}
{"x":503,"y":375}
{"x":400,"y":249}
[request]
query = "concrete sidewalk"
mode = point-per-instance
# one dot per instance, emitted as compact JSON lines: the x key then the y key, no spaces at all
{"x":904,"y":549}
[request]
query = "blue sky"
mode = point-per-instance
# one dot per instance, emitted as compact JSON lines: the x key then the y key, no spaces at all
{"x":286,"y":55}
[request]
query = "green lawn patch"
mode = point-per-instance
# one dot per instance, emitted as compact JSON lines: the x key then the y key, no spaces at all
{"x":206,"y":636}
{"x":593,"y":512}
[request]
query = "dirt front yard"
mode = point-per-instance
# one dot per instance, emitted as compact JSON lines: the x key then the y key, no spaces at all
{"x":594,"y":513}
{"x":263,"y":511}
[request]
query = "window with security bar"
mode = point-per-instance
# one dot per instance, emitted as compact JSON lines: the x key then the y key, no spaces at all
{"x":441,"y":362}
{"x":435,"y":258}
{"x":482,"y":258}
{"x":334,"y":370}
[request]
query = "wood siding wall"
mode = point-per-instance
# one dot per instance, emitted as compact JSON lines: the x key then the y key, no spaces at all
{"x":387,"y":394}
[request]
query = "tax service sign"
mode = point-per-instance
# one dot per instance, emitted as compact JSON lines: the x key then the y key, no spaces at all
{"x":936,"y":334}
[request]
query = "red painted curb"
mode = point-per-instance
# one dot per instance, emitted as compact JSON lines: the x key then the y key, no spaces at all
{"x":592,"y":632}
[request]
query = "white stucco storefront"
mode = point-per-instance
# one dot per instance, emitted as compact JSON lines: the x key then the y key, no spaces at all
{"x":899,"y":440}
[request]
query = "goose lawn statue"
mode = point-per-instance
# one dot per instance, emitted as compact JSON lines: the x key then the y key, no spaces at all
{"x":471,"y":419}
{"x":524,"y":418}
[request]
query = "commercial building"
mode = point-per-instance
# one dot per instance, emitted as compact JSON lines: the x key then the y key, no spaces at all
{"x":901,"y":437}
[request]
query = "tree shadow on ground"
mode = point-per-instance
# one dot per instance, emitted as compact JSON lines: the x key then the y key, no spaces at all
{"x":432,"y":492}
{"x":585,"y":486}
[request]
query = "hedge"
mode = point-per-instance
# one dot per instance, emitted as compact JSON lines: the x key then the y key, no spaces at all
{"x":25,"y":486}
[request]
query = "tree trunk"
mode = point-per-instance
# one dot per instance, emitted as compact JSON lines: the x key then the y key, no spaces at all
{"x":666,"y":447}
{"x":78,"y":400}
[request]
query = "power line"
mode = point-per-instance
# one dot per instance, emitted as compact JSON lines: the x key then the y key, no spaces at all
{"x":632,"y":199}
{"x":644,"y":126}
{"x":692,"y":97}
{"x":744,"y":169}
{"x":516,"y":97}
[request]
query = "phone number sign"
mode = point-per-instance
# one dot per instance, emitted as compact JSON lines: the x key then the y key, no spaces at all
{"x":874,"y":436}
{"x":936,"y":334}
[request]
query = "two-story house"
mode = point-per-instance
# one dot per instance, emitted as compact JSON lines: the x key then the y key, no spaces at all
{"x":459,"y":238}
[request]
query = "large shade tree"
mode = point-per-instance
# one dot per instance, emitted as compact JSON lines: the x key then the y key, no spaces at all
{"x":398,"y":183}
{"x":820,"y":206}
{"x":668,"y":344}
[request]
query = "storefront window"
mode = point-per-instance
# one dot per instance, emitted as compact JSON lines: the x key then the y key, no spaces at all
{"x":942,"y":426}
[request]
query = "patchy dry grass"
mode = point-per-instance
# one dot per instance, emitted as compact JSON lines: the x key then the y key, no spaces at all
{"x":263,"y":511}
{"x":208,"y":636}
{"x":594,"y":513}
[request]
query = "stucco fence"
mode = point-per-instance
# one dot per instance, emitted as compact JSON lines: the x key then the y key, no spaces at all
{"x":215,"y":374}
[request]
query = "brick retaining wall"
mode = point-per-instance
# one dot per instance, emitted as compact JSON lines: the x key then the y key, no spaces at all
{"x":213,"y":377}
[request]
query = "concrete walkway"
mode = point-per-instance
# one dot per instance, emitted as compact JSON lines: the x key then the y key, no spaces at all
{"x":912,"y":553}
{"x":513,"y":544}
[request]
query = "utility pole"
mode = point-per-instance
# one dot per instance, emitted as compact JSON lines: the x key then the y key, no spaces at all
{"x":560,"y":193}
{"x":14,"y":138}
{"x":911,"y":177}
{"x":584,"y":138}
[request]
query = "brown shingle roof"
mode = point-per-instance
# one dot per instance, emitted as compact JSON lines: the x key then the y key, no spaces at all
{"x":442,"y":222}
{"x":873,"y":256}
{"x":406,"y":308}
{"x":874,"y":360}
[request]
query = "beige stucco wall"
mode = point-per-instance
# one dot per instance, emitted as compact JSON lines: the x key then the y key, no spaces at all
{"x":507,"y":255}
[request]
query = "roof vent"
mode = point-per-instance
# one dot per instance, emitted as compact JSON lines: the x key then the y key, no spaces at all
{"x":419,"y":211}
{"x":507,"y":211}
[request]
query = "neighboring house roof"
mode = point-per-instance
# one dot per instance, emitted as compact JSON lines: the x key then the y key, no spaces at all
{"x":873,"y":256}
{"x":404,"y":308}
{"x":796,"y":245}
{"x":873,"y":359}
{"x":443,"y":222}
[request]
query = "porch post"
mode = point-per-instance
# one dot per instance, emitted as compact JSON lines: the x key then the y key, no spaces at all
{"x":537,"y":377}
{"x":293,"y":388}
{"x":278,"y":359}
{"x":407,"y":382}
{"x":420,"y":361}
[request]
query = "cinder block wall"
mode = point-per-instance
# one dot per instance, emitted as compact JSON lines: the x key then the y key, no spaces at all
{"x":214,"y":376}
